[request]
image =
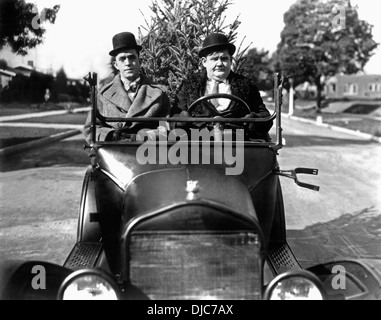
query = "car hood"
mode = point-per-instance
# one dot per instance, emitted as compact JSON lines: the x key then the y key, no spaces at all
{"x":157,"y":189}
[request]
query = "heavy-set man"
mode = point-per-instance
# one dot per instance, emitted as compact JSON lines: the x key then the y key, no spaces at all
{"x":216,"y":56}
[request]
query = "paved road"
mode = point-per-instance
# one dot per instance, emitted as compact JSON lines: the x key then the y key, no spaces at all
{"x":40,"y":193}
{"x":349,"y":173}
{"x":343,"y":219}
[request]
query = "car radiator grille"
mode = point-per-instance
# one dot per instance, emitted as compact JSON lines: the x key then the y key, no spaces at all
{"x":196,"y":265}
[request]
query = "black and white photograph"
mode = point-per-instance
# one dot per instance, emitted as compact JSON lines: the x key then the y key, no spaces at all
{"x":188,"y":150}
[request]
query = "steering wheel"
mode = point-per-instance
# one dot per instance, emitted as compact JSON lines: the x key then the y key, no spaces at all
{"x":234,"y":113}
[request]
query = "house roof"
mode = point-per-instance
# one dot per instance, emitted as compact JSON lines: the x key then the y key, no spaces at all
{"x":27,"y":68}
{"x":8,"y":73}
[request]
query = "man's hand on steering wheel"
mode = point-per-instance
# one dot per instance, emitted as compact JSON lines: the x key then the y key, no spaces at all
{"x":250,"y":126}
{"x":119,"y":134}
{"x":181,"y":125}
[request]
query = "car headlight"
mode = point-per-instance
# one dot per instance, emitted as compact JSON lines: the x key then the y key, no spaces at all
{"x":295,"y":285}
{"x":88,"y":284}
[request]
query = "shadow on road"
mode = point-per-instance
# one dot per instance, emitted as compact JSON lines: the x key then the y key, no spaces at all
{"x":61,"y":153}
{"x":355,"y":235}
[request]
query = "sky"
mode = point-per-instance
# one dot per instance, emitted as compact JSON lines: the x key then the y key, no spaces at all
{"x":80,"y":39}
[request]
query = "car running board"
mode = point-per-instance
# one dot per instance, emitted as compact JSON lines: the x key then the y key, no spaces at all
{"x":83,"y":255}
{"x":281,"y":258}
{"x":293,"y":175}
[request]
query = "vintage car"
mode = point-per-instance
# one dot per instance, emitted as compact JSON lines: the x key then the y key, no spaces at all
{"x":201,"y":217}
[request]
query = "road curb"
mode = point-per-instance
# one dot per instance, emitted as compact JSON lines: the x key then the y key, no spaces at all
{"x":334,"y":128}
{"x":36,"y":143}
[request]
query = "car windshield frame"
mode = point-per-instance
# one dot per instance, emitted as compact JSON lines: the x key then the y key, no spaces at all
{"x":279,"y":82}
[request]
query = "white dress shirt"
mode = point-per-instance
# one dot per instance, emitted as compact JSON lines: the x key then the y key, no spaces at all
{"x":131,"y":87}
{"x":223,"y":87}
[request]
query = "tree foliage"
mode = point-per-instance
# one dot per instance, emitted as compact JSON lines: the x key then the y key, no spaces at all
{"x":3,"y":64}
{"x":174,"y":35}
{"x":60,"y":85}
{"x":21,"y":25}
{"x":321,"y":39}
{"x":258,"y":67}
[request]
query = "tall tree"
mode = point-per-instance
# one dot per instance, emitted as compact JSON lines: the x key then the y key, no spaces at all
{"x":3,"y":64}
{"x":21,"y":24}
{"x":60,"y":85}
{"x":175,"y":33}
{"x":258,"y":67}
{"x":321,"y":39}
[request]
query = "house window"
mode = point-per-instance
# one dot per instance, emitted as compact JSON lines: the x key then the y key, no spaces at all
{"x":351,"y":89}
{"x":374,"y":87}
{"x":332,"y":87}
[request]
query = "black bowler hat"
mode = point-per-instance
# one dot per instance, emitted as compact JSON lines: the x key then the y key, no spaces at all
{"x":124,"y":40}
{"x":216,"y":41}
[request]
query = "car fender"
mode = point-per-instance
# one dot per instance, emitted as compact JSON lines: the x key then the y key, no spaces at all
{"x":30,"y":280}
{"x":88,"y":227}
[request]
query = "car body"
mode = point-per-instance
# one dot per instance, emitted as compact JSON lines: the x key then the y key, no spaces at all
{"x":167,"y":218}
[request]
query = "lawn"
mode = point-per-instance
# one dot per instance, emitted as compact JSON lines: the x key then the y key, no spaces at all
{"x":360,"y":117}
{"x":355,"y":122}
{"x":10,"y":136}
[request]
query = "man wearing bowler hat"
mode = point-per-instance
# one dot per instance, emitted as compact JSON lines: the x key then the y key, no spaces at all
{"x":129,"y":94}
{"x":216,"y":56}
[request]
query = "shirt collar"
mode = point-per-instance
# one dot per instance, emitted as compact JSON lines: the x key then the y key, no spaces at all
{"x":225,"y":81}
{"x":132,"y":86}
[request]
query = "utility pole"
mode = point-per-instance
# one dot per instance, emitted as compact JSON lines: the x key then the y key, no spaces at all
{"x":291,"y":98}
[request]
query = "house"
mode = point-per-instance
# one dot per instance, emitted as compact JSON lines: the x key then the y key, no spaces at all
{"x":74,"y":82}
{"x":353,"y":87}
{"x":5,"y":77}
{"x":24,"y":70}
{"x":306,"y":90}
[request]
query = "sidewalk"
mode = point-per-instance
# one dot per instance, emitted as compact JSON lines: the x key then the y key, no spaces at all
{"x":319,"y":122}
{"x":42,"y":125}
{"x":41,"y":114}
{"x":72,"y":129}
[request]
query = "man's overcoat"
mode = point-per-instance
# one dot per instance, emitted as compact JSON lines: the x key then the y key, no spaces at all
{"x":151,"y":100}
{"x":242,"y":87}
